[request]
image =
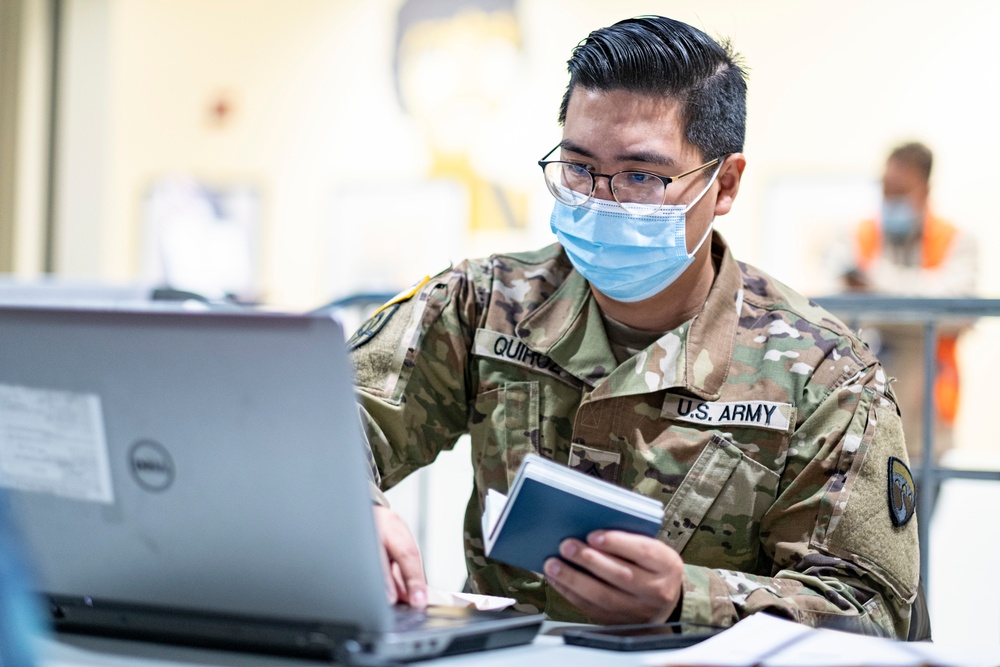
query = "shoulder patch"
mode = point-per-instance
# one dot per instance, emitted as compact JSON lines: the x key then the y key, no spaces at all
{"x":370,"y":329}
{"x":902,"y":492}
{"x":381,"y":317}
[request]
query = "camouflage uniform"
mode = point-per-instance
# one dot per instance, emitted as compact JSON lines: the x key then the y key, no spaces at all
{"x":763,"y":424}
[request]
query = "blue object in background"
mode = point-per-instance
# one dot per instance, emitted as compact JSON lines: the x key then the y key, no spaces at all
{"x":20,"y":620}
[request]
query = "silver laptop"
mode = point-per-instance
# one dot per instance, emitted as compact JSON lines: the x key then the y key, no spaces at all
{"x":199,"y":477}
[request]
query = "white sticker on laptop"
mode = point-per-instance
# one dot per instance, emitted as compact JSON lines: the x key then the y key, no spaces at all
{"x":53,"y":442}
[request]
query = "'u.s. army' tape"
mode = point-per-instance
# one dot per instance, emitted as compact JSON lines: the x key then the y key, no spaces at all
{"x":756,"y":414}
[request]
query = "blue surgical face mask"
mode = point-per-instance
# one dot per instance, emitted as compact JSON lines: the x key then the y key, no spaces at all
{"x":899,"y":219}
{"x":625,"y":256}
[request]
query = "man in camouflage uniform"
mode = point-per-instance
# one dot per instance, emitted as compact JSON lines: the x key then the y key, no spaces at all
{"x":761,"y":422}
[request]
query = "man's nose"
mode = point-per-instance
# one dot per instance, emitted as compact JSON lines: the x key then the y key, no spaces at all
{"x":602,"y":188}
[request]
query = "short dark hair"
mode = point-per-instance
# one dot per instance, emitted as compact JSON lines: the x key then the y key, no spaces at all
{"x":914,"y":154}
{"x":655,"y":55}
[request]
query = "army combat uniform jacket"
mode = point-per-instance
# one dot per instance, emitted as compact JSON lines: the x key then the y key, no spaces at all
{"x":764,"y":426}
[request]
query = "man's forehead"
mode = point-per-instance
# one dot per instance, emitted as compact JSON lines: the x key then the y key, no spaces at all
{"x":626,"y":101}
{"x":902,"y":171}
{"x":626,"y":126}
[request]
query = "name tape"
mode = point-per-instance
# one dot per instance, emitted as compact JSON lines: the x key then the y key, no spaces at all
{"x":504,"y":347}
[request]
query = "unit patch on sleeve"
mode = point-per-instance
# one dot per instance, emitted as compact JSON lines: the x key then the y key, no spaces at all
{"x":370,"y":329}
{"x":902,"y":493}
{"x":756,"y":414}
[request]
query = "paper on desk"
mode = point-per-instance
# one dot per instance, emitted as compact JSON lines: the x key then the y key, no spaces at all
{"x":742,"y":645}
{"x":766,"y":641}
{"x":441,"y":598}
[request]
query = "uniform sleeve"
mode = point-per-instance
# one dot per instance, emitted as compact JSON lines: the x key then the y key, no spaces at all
{"x":412,"y":375}
{"x":840,"y":556}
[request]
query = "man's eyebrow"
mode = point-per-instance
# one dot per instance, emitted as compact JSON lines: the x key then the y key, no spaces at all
{"x":648,"y":157}
{"x":568,"y":145}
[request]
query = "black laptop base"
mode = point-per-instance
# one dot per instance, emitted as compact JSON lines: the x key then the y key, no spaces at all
{"x":316,"y":641}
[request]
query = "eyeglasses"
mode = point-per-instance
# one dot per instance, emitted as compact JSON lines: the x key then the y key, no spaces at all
{"x":573,"y":184}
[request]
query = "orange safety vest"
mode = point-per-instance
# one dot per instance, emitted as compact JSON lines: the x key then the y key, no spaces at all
{"x":936,"y":241}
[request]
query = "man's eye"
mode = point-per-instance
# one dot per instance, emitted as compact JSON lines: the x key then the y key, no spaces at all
{"x":576,"y":169}
{"x":638,"y":178}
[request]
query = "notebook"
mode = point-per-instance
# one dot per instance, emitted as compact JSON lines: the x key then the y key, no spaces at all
{"x":516,"y":533}
{"x":199,"y":478}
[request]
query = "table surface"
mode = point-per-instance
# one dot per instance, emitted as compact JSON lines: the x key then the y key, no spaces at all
{"x":84,"y":651}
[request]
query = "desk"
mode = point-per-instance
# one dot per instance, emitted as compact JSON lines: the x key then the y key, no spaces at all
{"x":82,"y":651}
{"x":754,"y":640}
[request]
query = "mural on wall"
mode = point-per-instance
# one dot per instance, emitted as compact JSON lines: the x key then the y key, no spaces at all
{"x":457,"y":63}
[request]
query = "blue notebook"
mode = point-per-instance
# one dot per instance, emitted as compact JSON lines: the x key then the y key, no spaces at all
{"x":549,"y":502}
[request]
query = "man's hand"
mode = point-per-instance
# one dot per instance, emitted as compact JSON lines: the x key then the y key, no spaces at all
{"x":629,"y":578}
{"x":857,"y":281}
{"x":404,"y":569}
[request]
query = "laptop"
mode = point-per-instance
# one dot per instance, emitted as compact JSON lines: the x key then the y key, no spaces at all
{"x":199,"y":478}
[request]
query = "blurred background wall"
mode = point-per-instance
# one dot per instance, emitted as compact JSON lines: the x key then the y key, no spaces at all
{"x":299,"y":100}
{"x":373,"y":154}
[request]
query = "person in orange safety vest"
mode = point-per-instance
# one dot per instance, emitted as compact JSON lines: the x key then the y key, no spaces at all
{"x":908,"y":250}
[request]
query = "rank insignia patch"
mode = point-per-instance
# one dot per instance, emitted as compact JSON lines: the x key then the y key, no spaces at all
{"x":902,"y":493}
{"x":369,"y":329}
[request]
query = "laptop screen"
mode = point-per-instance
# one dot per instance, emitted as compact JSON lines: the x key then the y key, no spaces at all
{"x":207,"y":461}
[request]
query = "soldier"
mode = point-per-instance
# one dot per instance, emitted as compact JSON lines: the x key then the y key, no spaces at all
{"x":639,"y":350}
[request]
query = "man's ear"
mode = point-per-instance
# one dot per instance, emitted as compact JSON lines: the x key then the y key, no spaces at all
{"x":729,"y":182}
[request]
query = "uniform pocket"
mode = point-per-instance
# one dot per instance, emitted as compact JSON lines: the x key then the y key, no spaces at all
{"x":504,"y":428}
{"x":714,"y":516}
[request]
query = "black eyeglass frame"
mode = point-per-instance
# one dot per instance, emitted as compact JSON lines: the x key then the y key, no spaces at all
{"x":666,"y":180}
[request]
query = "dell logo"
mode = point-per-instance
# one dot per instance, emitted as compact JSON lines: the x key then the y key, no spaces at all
{"x":151,"y":465}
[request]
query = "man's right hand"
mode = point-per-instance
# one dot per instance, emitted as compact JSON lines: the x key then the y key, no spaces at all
{"x":404,"y":569}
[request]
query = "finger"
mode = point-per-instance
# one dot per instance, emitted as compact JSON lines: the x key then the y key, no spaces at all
{"x":404,"y":554}
{"x":645,"y":552}
{"x":598,"y":601}
{"x":610,"y":569}
{"x":654,"y":592}
{"x":403,"y":565}
{"x":391,"y":591}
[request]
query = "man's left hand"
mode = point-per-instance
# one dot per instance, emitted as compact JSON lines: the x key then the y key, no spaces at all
{"x":628,"y":579}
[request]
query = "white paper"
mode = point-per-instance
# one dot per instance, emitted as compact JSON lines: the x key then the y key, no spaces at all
{"x":768,"y":641}
{"x":439,"y":598}
{"x":742,"y":645}
{"x":495,"y":502}
{"x":53,"y":442}
{"x":829,"y":648}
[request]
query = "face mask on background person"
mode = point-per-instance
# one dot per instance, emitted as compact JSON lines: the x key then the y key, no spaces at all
{"x":627,"y":257}
{"x":900,"y":220}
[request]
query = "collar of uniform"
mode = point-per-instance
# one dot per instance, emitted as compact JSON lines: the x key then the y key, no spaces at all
{"x":696,"y":355}
{"x":567,"y":328}
{"x":712,"y":334}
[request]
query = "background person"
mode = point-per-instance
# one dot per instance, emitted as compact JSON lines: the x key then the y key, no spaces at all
{"x":638,"y":309}
{"x":909,"y":251}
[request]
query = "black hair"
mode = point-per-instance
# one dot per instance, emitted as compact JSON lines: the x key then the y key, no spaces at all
{"x":916,"y":155}
{"x":655,"y":55}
